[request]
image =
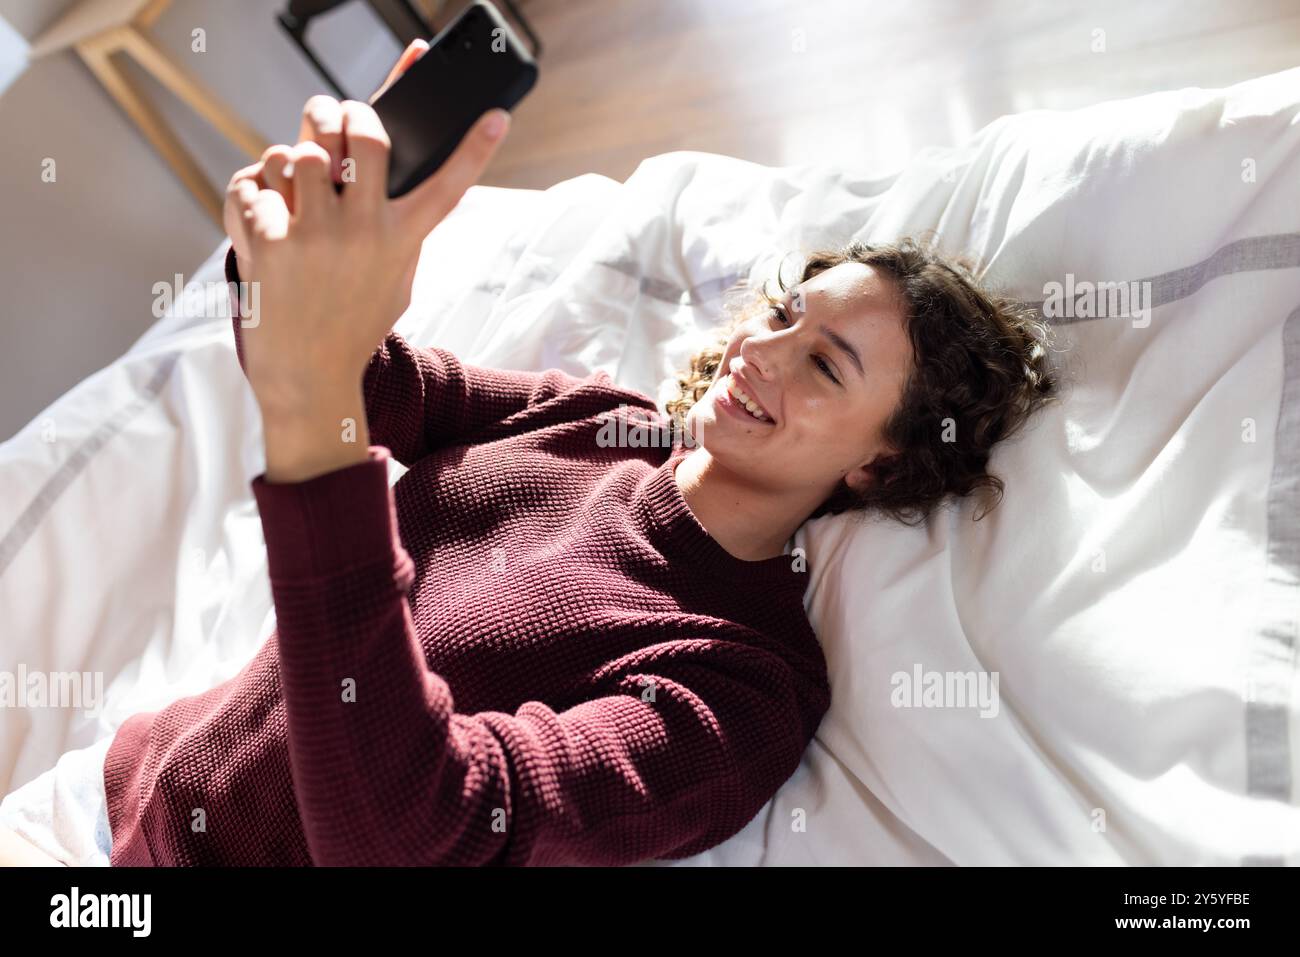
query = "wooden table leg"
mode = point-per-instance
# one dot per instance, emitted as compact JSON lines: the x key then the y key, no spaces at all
{"x":97,"y":55}
{"x":100,"y":29}
{"x":175,"y":77}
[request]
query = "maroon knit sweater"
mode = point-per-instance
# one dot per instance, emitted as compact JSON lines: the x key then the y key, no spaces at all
{"x":553,"y":664}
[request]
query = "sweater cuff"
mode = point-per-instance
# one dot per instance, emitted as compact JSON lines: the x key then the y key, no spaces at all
{"x":331,"y":523}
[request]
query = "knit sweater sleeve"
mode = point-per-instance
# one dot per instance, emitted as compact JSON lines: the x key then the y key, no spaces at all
{"x":683,"y":745}
{"x":420,"y":399}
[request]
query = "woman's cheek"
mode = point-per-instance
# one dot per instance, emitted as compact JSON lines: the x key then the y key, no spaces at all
{"x":822,"y":423}
{"x":816,"y":412}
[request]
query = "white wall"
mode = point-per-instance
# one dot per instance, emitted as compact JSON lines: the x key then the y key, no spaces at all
{"x":79,"y":257}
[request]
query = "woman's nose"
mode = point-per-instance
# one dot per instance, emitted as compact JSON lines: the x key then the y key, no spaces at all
{"x":759,"y":363}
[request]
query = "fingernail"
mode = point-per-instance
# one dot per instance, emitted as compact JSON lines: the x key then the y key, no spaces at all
{"x":495,"y":124}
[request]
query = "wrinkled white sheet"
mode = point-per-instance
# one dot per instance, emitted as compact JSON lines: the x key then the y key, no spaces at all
{"x":1133,"y":595}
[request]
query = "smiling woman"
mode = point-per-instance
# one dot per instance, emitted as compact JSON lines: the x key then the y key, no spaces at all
{"x":885,"y":378}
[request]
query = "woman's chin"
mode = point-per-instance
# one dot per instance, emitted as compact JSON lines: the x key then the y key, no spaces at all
{"x":701,"y":424}
{"x":717,"y":433}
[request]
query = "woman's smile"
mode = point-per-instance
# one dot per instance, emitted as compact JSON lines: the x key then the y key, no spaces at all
{"x":732,"y":405}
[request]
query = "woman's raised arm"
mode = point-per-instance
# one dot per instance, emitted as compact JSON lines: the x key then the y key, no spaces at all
{"x":333,"y":270}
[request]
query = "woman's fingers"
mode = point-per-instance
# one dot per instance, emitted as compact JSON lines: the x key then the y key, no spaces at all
{"x":368,"y":145}
{"x":264,"y":214}
{"x":322,"y":122}
{"x":314,"y":185}
{"x":409,"y":56}
{"x":276,"y":172}
{"x":429,"y":203}
{"x":298,"y":183}
{"x":253,"y":172}
{"x":232,"y":213}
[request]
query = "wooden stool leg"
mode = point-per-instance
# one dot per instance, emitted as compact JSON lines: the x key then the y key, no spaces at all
{"x":98,"y":57}
{"x":177,"y":78}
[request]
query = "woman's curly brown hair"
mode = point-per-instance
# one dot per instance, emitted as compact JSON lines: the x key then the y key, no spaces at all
{"x":981,"y":368}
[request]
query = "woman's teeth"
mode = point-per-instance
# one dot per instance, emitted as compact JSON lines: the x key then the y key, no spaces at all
{"x":745,"y":400}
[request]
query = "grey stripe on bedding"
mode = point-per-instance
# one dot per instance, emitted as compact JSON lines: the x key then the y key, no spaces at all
{"x":648,"y":286}
{"x":26,"y":524}
{"x":666,"y":291}
{"x":1279,"y":251}
{"x":1273,"y":654}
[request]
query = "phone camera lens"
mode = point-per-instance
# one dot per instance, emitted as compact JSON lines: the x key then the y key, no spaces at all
{"x":467,"y":44}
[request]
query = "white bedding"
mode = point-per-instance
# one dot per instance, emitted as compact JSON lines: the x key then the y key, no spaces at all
{"x":1137,"y":594}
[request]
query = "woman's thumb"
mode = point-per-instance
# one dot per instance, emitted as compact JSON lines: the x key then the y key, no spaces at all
{"x":430,"y":202}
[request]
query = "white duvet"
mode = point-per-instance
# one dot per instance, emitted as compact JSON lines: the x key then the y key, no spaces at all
{"x":1136,"y":597}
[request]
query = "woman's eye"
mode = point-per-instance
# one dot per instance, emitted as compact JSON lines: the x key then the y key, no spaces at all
{"x":821,"y":363}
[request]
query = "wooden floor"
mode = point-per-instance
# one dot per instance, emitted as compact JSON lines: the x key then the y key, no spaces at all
{"x":860,"y":84}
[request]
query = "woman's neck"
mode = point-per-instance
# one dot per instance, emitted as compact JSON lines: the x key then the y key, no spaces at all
{"x":749,"y":522}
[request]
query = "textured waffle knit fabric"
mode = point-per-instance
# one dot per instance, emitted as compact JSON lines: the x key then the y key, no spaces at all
{"x":526,"y":651}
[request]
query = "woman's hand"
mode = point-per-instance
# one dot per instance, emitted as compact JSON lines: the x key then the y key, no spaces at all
{"x":268,"y":172}
{"x":334,"y":269}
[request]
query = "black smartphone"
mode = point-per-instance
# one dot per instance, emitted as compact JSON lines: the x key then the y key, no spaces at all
{"x":476,"y":63}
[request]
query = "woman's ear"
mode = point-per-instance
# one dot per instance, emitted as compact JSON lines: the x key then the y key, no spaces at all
{"x":860,"y":479}
{"x":867,"y":474}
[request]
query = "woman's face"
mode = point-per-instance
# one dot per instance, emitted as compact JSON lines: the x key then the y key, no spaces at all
{"x":796,"y":361}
